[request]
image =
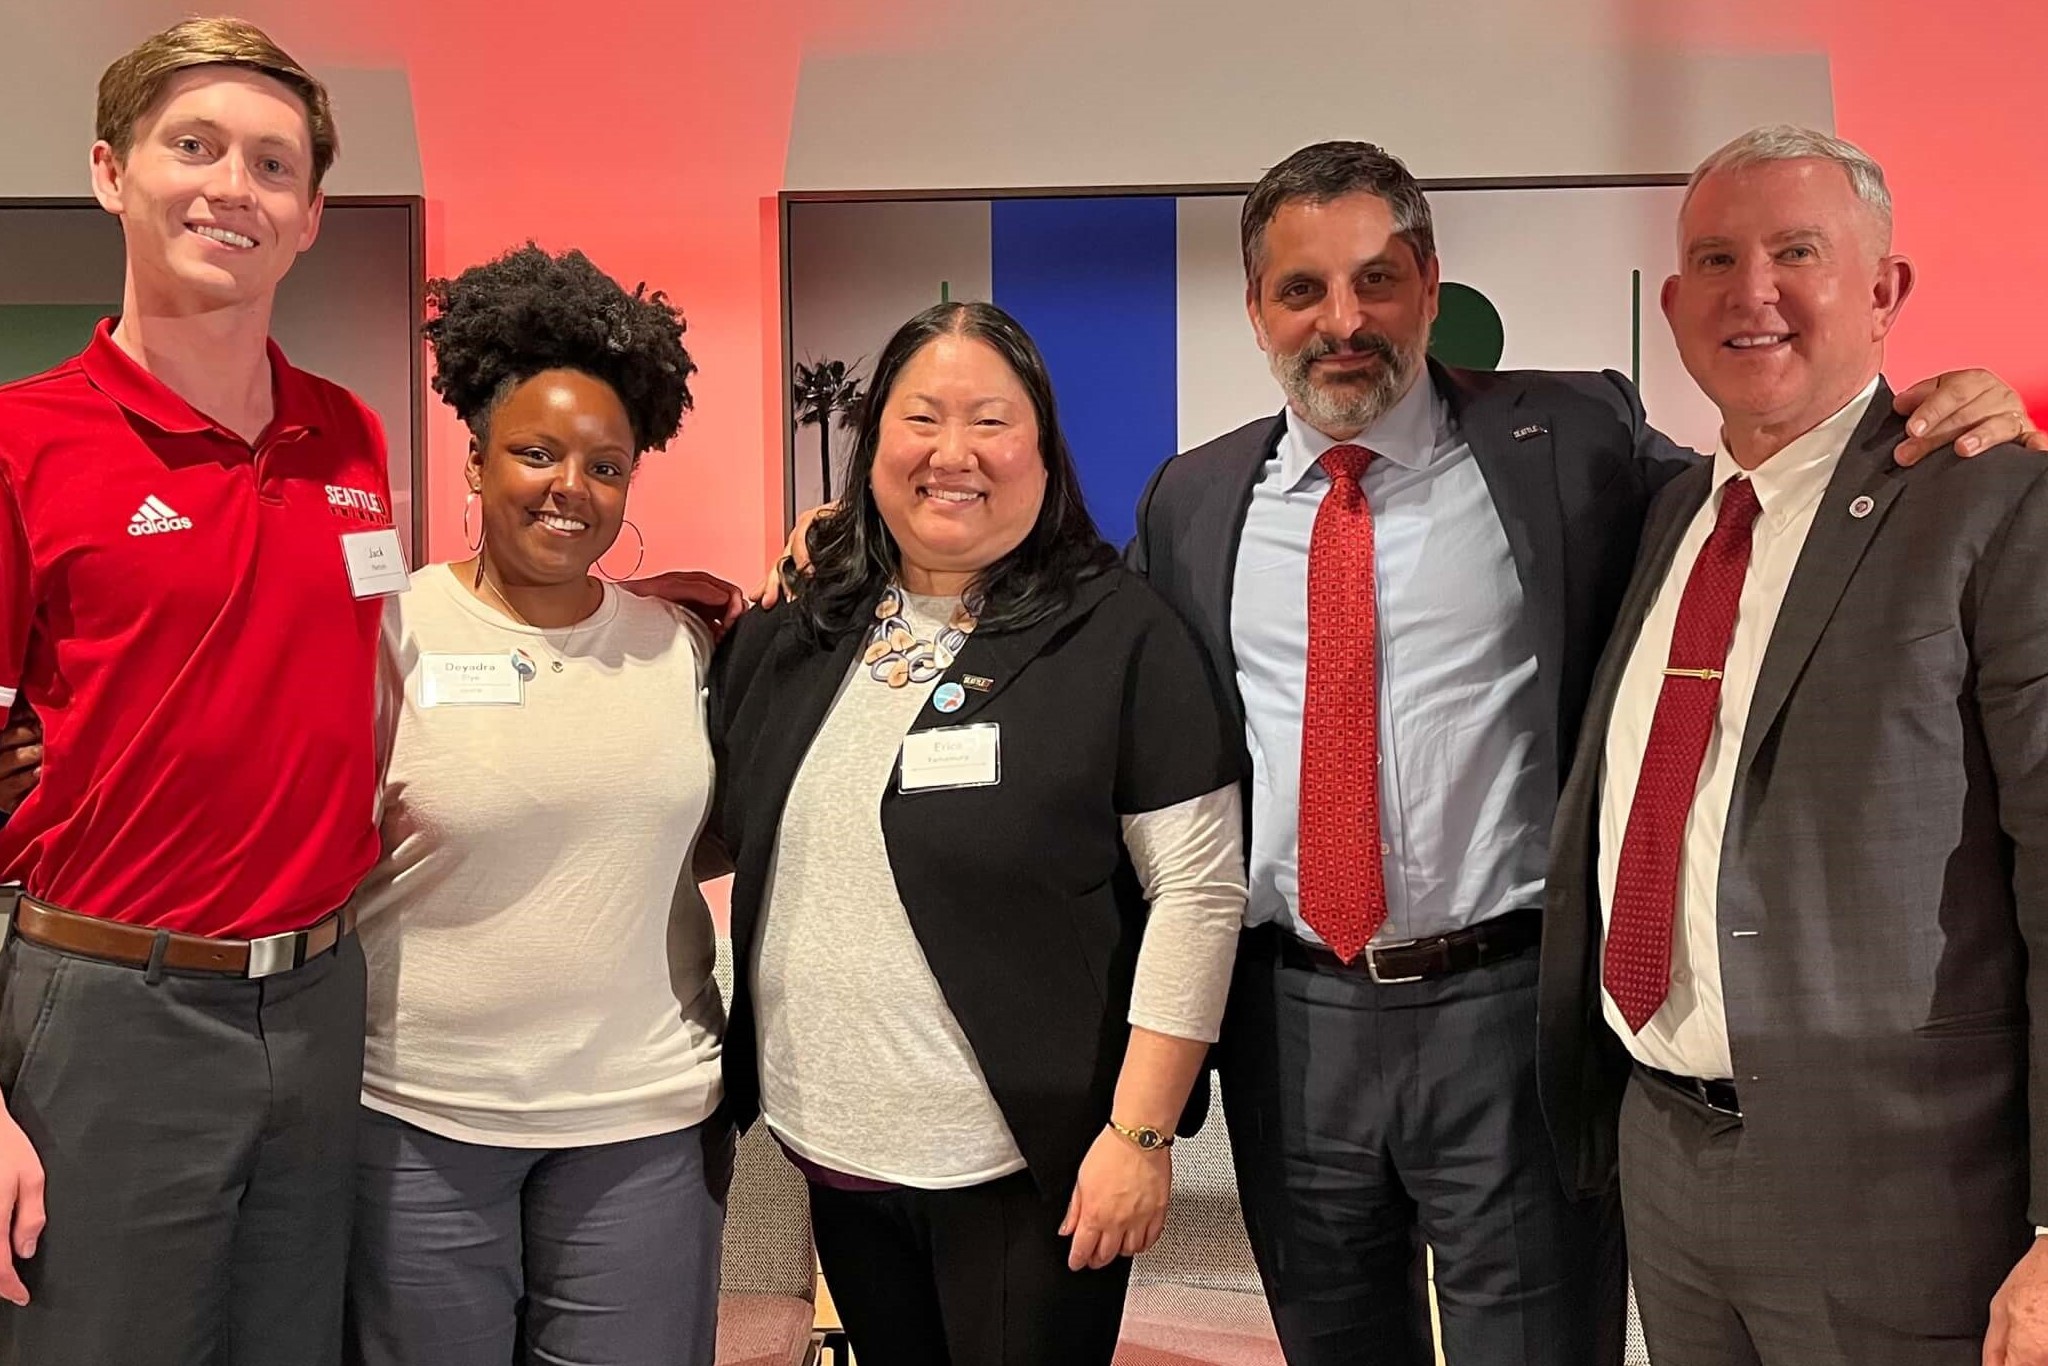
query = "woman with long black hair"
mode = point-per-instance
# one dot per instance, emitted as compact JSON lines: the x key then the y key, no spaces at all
{"x":982,"y":801}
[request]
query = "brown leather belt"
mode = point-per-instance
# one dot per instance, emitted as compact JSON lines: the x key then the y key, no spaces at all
{"x":111,"y":941}
{"x":1419,"y":960}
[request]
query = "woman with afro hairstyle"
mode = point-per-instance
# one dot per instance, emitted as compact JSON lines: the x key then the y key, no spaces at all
{"x":541,"y":1177}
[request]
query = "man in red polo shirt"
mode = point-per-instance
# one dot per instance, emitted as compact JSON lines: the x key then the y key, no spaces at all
{"x":194,"y":538}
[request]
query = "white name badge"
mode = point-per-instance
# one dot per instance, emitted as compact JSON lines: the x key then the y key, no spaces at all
{"x":957,"y":756}
{"x":452,"y":680}
{"x":376,"y":563}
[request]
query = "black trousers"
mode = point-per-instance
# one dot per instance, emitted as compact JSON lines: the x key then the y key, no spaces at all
{"x":1368,"y":1121}
{"x":971,"y":1277}
{"x":198,"y":1137}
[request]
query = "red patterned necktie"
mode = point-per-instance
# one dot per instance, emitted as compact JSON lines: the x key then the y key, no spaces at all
{"x":1637,"y":970}
{"x":1343,"y":886}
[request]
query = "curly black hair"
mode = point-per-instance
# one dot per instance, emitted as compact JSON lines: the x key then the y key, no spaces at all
{"x":499,"y":324}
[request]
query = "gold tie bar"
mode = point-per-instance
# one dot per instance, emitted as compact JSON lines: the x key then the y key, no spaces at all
{"x":1704,"y":675}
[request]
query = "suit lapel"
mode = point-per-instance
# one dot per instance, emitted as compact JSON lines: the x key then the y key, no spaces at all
{"x":809,"y":683}
{"x":1578,"y":805}
{"x":803,"y":684}
{"x":1675,"y":511}
{"x":991,"y":660}
{"x":1223,"y":515}
{"x":1521,"y":478}
{"x":1834,"y":547}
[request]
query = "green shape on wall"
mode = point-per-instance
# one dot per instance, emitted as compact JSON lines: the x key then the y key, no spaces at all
{"x":1468,"y":331}
{"x":34,"y":337}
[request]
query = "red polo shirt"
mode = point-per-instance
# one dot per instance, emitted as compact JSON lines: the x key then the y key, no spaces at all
{"x":176,"y":605}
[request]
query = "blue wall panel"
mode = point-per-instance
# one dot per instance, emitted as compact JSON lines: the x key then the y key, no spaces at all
{"x":1093,"y":281}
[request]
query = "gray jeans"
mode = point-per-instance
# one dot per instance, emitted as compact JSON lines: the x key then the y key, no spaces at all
{"x":198,"y":1136}
{"x":467,"y":1255}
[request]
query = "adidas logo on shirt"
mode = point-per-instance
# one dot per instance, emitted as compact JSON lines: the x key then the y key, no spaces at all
{"x":155,"y":516}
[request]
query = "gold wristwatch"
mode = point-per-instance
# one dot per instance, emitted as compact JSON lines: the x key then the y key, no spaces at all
{"x":1144,"y":1136}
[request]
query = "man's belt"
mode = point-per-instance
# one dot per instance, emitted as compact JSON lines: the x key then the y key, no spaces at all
{"x":111,"y":941}
{"x":1419,"y":960}
{"x":1718,"y":1096}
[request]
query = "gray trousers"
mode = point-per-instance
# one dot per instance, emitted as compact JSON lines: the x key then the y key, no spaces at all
{"x":1368,"y":1120}
{"x":1723,"y":1276}
{"x":198,"y":1137}
{"x":467,"y":1255}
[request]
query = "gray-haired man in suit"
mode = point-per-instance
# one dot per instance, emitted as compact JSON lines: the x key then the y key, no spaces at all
{"x":1404,"y":582}
{"x":1801,"y":866}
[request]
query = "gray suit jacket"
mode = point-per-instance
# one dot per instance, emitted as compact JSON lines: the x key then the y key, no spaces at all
{"x":1883,"y":882}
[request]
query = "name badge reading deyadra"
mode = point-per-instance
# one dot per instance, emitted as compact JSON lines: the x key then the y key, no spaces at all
{"x":376,"y":563}
{"x":453,"y":680}
{"x":956,"y":756}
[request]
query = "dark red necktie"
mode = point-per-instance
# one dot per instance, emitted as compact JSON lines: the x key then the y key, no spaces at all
{"x":1637,"y":970}
{"x":1343,"y":886}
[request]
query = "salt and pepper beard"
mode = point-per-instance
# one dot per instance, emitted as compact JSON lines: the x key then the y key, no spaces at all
{"x":1346,"y":407}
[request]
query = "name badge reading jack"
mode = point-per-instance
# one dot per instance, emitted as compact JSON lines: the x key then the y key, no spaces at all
{"x":376,"y":563}
{"x":956,"y":756}
{"x":453,"y":680}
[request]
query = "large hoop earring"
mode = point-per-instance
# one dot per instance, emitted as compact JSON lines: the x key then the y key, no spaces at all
{"x":469,"y":506}
{"x":637,"y":559}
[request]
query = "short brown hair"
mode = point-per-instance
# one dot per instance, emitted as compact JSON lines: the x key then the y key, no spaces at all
{"x":133,"y":85}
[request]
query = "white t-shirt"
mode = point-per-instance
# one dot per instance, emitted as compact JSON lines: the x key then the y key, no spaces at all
{"x":540,"y":959}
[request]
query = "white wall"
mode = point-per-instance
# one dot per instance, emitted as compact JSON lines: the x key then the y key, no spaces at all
{"x":1200,"y":92}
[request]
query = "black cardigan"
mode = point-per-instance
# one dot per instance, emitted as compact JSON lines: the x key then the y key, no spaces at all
{"x":1020,"y":894}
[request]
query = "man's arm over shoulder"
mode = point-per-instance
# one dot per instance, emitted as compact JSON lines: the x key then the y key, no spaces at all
{"x":1659,"y":459}
{"x":2010,"y":648}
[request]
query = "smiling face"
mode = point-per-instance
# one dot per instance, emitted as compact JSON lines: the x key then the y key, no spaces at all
{"x":1342,"y":308}
{"x":958,"y":475}
{"x":553,"y":473}
{"x":216,"y":195}
{"x":1783,"y":298}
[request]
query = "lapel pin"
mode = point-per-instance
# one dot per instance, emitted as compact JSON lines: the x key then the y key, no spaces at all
{"x":1533,"y":429}
{"x":977,"y":682}
{"x":1862,"y":506}
{"x":949,"y":698}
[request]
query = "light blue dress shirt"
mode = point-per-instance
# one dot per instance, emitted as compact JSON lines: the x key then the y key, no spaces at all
{"x":1468,"y":765}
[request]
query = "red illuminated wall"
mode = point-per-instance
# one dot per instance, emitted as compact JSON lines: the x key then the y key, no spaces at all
{"x":651,"y":135}
{"x":1948,"y":98}
{"x":647,"y":135}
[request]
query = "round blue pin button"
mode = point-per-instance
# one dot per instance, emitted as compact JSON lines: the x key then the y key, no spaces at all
{"x":949,"y":697}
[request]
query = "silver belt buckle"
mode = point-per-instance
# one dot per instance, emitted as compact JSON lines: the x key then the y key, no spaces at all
{"x":274,"y":953}
{"x":1706,"y":1095}
{"x":1372,"y":964}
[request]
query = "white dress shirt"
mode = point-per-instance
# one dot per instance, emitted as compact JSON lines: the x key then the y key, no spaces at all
{"x":1689,"y":1033}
